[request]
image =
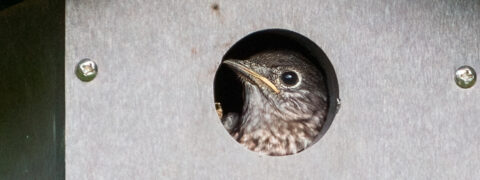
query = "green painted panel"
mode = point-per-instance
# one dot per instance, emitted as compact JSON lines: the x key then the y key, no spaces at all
{"x":32,"y":96}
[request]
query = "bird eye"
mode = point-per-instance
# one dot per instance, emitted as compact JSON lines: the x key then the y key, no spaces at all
{"x":289,"y":78}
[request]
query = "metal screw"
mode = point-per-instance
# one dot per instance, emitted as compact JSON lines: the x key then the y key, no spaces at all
{"x":86,"y":70}
{"x":465,"y":77}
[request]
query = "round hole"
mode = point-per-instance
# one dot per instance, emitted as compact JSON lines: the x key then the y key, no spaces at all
{"x":276,"y":92}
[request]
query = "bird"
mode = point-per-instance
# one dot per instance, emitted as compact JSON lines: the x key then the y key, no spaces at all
{"x":284,"y":102}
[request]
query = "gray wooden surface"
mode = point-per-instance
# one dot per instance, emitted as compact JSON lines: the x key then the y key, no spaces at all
{"x":149,"y":114}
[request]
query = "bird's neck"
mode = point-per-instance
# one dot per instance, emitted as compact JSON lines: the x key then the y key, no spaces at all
{"x":257,"y":111}
{"x":267,"y":132}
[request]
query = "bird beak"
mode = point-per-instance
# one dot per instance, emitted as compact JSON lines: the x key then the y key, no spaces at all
{"x":249,"y":73}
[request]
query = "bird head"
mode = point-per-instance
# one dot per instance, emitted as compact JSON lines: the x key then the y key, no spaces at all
{"x":281,"y":85}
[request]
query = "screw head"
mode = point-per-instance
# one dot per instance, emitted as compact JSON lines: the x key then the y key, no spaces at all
{"x":465,"y":77}
{"x":86,"y":70}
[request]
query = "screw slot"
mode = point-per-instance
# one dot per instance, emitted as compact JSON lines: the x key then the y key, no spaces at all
{"x":465,"y":77}
{"x":86,"y":70}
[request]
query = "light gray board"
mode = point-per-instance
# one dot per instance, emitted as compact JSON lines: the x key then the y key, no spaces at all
{"x":149,"y":114}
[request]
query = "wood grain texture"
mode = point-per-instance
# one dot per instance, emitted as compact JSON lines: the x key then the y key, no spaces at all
{"x":149,"y":114}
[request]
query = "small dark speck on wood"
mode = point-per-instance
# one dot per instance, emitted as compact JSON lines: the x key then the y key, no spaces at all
{"x":215,"y":7}
{"x":216,"y":10}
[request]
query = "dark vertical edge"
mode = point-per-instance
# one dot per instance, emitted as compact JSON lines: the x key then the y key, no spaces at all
{"x":32,"y":90}
{"x":60,"y":98}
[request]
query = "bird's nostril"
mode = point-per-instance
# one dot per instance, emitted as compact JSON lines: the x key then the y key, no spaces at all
{"x":250,"y":110}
